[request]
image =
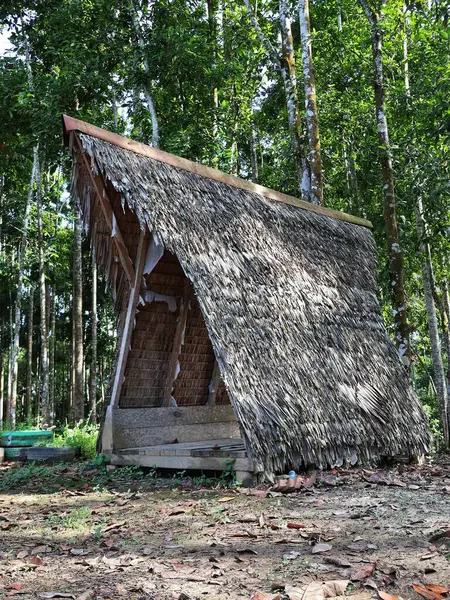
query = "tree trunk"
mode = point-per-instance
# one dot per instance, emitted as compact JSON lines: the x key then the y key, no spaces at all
{"x":290,"y":85}
{"x":286,"y":66}
{"x":436,"y":353}
{"x":254,"y":156}
{"x":52,"y":375}
{"x":212,"y":7}
{"x":395,"y":254}
{"x":78,"y":386}
{"x":45,"y":413}
{"x":29,"y":389}
{"x":2,"y":376}
{"x":312,"y":122}
{"x":147,"y":86}
{"x":94,"y":318}
{"x":13,"y":369}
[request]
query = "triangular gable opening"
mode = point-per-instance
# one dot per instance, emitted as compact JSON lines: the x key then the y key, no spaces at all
{"x":171,"y":360}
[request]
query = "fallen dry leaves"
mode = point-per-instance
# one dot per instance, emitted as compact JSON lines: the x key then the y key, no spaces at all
{"x":432,"y":592}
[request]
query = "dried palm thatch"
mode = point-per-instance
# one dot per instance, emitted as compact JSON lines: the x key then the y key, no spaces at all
{"x":289,"y":300}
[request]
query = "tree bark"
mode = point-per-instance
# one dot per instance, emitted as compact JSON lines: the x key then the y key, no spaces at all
{"x":147,"y":86}
{"x":254,"y":156}
{"x":446,"y":336}
{"x":52,"y":344}
{"x":78,"y":385}
{"x":13,"y":365}
{"x":29,"y":388}
{"x":212,"y":7}
{"x":395,"y":254}
{"x":286,"y":66}
{"x":94,"y":320}
{"x":312,"y":122}
{"x":43,"y":306}
{"x":2,"y":376}
{"x":289,"y":76}
{"x":436,"y":352}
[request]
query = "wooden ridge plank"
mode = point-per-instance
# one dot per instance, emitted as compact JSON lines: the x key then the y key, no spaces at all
{"x":72,"y":124}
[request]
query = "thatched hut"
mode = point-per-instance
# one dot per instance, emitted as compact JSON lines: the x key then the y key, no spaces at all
{"x":249,"y":327}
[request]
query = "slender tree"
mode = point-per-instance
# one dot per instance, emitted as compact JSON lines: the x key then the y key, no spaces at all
{"x":13,"y":364}
{"x":137,"y":14}
{"x":94,"y":325}
{"x":436,"y":351}
{"x":43,"y":325}
{"x":29,"y":388}
{"x":395,"y":253}
{"x":78,"y":383}
{"x":285,"y":64}
{"x":312,"y":121}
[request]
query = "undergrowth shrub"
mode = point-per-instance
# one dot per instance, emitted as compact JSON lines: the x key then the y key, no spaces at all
{"x":82,"y":436}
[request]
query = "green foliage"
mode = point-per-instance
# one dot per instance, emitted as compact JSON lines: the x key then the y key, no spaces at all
{"x":82,"y":436}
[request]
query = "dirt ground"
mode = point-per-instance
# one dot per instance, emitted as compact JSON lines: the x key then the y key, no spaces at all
{"x":70,"y":531}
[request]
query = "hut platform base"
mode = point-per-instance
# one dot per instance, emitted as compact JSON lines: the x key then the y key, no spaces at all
{"x":209,"y":455}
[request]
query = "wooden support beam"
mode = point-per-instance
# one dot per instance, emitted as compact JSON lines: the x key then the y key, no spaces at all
{"x":109,"y":215}
{"x":129,"y":319}
{"x":178,"y":341}
{"x":214,"y":385}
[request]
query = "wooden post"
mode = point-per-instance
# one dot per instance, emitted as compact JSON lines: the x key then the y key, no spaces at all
{"x":178,"y":341}
{"x":129,"y":319}
{"x":214,"y":385}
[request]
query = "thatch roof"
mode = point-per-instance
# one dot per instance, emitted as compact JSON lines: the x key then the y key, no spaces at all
{"x":289,"y":300}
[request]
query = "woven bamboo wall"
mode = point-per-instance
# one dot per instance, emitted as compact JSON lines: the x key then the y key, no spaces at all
{"x":152,"y":343}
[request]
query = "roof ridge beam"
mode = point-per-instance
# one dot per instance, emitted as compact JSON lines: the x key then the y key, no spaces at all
{"x":72,"y":124}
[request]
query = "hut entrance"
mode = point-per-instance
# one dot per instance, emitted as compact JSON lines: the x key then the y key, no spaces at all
{"x":173,"y":410}
{"x":171,"y":360}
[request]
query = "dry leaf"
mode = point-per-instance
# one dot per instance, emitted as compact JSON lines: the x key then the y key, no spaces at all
{"x":432,"y":592}
{"x":226,"y":499}
{"x":114,"y":526}
{"x":336,"y":560}
{"x":265,"y":596}
{"x":48,"y":595}
{"x":336,"y":587}
{"x":78,"y":551}
{"x":386,"y":596}
{"x":86,"y":595}
{"x":321,"y":548}
{"x":293,"y":592}
{"x":361,"y":573}
{"x":121,"y":589}
{"x":36,"y":560}
{"x":295,"y":526}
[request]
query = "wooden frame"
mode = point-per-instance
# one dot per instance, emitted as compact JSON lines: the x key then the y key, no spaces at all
{"x":72,"y":124}
{"x":129,"y":318}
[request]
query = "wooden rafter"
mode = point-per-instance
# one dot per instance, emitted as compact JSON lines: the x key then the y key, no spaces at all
{"x":177,"y":342}
{"x":108,"y":214}
{"x":129,"y":319}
